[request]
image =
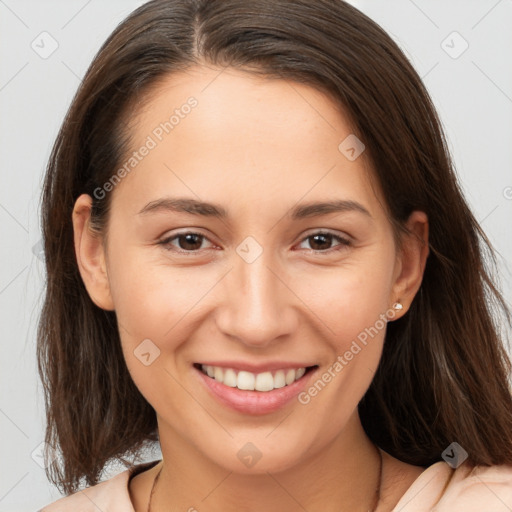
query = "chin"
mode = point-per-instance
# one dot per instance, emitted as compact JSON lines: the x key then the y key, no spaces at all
{"x":261,"y":455}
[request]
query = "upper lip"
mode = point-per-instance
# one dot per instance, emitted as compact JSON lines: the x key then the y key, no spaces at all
{"x":256,"y":368}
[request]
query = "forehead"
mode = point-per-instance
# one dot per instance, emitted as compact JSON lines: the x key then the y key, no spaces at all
{"x":250,"y":104}
{"x":225,"y":132}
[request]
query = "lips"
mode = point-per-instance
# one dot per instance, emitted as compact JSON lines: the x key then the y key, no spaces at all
{"x":259,"y":391}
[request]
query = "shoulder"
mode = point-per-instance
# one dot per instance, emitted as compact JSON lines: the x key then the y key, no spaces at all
{"x":109,"y":496}
{"x":467,"y":488}
{"x":479,"y":488}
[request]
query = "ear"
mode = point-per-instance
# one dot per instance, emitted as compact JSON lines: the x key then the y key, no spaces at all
{"x":90,"y":254}
{"x":412,"y":259}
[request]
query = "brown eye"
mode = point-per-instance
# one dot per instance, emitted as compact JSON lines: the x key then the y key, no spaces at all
{"x":322,"y":242}
{"x":190,"y":241}
{"x":184,"y":242}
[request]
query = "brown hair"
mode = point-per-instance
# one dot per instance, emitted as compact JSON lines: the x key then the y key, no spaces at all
{"x":444,"y":370}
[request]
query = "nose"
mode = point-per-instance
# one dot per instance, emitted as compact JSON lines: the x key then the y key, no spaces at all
{"x":257,"y":304}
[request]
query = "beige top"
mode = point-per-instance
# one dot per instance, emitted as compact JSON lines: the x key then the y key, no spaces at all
{"x":439,"y":488}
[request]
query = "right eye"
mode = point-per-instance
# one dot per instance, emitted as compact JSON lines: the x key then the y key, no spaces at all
{"x":187,"y":242}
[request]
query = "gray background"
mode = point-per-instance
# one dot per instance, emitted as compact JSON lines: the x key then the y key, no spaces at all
{"x":472,"y":90}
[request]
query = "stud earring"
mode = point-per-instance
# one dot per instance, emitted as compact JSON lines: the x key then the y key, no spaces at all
{"x":397,"y":306}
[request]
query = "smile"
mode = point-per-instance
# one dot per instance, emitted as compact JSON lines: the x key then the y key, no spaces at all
{"x":265,"y":381}
{"x":261,"y":391}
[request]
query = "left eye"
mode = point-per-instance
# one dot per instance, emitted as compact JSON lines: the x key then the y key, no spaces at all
{"x":322,"y":239}
{"x":191,"y":242}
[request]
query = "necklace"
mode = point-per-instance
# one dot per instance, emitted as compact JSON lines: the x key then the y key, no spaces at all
{"x":377,"y":491}
{"x":374,"y":504}
{"x":153,"y":488}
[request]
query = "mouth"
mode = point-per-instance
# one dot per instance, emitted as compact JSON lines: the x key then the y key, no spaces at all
{"x":255,"y":393}
{"x":251,"y":381}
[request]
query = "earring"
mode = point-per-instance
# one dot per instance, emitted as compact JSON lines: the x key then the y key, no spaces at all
{"x":397,"y":306}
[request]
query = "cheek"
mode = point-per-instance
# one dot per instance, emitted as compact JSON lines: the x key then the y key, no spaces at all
{"x":152,"y":303}
{"x":351,"y":303}
{"x":150,"y":297}
{"x":350,"y":299}
{"x":159,"y":302}
{"x":356,"y":337}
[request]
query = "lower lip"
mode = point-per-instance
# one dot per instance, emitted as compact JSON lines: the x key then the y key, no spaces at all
{"x":255,"y":402}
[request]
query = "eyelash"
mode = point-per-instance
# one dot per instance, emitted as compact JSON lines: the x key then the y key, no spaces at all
{"x":343,"y":242}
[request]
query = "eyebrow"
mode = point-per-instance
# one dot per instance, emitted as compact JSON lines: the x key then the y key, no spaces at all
{"x":194,"y":207}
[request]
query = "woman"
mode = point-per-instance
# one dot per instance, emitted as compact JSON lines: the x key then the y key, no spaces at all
{"x":258,"y":255}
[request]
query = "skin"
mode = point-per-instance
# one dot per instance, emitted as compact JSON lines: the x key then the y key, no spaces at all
{"x":257,"y":147}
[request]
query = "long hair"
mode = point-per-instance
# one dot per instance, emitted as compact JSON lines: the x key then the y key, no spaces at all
{"x":444,"y":370}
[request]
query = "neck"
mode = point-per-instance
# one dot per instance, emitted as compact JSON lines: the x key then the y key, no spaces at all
{"x":341,"y":476}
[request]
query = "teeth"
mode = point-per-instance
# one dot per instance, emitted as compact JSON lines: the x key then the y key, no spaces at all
{"x":266,"y":381}
{"x":290,"y":377}
{"x":230,"y":378}
{"x":300,"y":372}
{"x":219,"y":374}
{"x":245,"y":380}
{"x":279,"y":379}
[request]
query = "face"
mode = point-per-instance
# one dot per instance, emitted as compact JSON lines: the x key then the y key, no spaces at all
{"x":255,"y":283}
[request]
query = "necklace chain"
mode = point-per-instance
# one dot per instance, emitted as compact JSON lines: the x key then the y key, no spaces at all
{"x":374,"y":504}
{"x":153,"y":488}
